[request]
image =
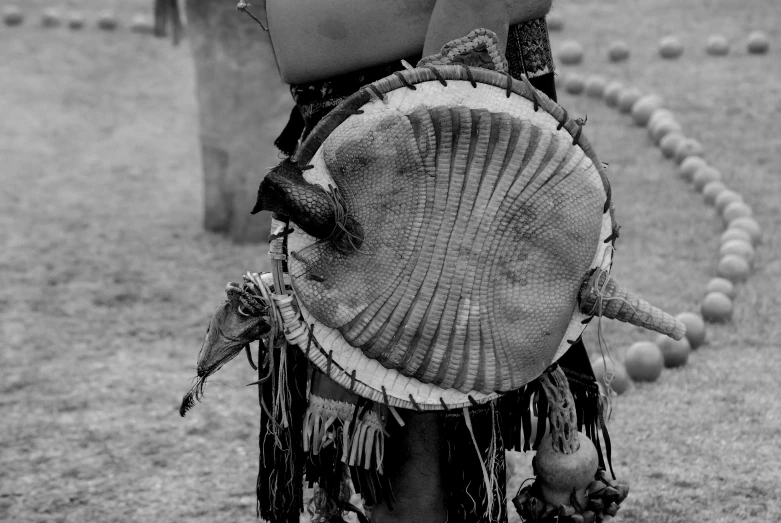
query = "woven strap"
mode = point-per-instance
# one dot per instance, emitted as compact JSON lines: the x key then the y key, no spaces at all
{"x":480,"y":48}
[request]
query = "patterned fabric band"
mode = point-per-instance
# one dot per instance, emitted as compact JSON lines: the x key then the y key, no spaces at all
{"x":528,"y":49}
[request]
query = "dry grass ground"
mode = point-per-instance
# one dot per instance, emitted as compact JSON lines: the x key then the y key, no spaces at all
{"x":108,"y":279}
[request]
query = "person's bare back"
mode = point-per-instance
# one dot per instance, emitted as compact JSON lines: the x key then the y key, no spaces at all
{"x":317,"y":40}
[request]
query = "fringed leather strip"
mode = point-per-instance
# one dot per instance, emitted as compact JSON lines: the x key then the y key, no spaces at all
{"x":515,"y":416}
{"x":542,"y":418}
{"x":588,"y":400}
{"x":374,"y":488}
{"x":523,"y":443}
{"x":350,"y":444}
{"x":330,"y":474}
{"x":608,"y":449}
{"x":360,"y":432}
{"x":517,"y":410}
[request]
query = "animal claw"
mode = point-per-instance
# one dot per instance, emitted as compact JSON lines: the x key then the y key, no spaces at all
{"x":249,"y":357}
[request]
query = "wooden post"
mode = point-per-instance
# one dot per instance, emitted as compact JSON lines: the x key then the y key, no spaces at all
{"x":243,"y":107}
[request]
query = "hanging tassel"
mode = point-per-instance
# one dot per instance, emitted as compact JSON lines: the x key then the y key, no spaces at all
{"x":282,"y":458}
{"x":358,"y":431}
{"x":467,"y":500}
{"x":487,"y":481}
{"x":345,"y":441}
{"x":281,"y":441}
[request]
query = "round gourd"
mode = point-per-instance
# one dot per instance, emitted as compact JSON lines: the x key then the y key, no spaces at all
{"x":711,"y":190}
{"x":612,"y":92}
{"x":717,"y":46}
{"x":734,"y":233}
{"x":669,"y":143}
{"x":51,"y":18}
{"x":689,"y":147}
{"x":670,"y":47}
{"x":674,"y":352}
{"x":757,"y":43}
{"x":736,"y":210}
{"x":663,"y":128}
{"x":644,"y":361}
{"x":560,"y":474}
{"x":695,"y":327}
{"x":555,"y":22}
{"x":75,"y":21}
{"x":689,"y":166}
{"x":141,"y":24}
{"x":644,"y":108}
{"x":571,"y":53}
{"x":716,"y":307}
{"x":628,"y":98}
{"x":734,"y":268}
{"x":725,"y":198}
{"x":575,"y":84}
{"x":107,"y":21}
{"x":12,"y":16}
{"x":723,"y":286}
{"x":659,"y":115}
{"x":750,"y":226}
{"x":620,"y":379}
{"x":741,"y":248}
{"x":595,"y":86}
{"x":618,"y":51}
{"x":704,"y":176}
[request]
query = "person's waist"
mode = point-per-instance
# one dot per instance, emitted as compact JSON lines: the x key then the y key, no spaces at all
{"x":527,"y":50}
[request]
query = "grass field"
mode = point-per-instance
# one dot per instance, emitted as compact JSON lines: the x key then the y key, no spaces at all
{"x":108,"y":279}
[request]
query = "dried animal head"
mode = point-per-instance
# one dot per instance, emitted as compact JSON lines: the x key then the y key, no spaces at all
{"x":236,"y":322}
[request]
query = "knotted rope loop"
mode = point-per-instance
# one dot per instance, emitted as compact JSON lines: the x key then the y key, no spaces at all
{"x":404,"y":80}
{"x":532,"y":91}
{"x":563,"y":119}
{"x":340,"y":218}
{"x":581,"y":122}
{"x":438,"y":75}
{"x":376,"y":92}
{"x":342,"y":112}
{"x":470,"y":76}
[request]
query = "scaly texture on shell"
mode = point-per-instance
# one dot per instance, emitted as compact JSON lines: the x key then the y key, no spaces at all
{"x":478,"y":229}
{"x":603,"y":296}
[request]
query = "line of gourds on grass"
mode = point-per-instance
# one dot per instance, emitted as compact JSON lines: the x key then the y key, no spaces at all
{"x":51,"y":18}
{"x":670,"y":47}
{"x":645,"y":360}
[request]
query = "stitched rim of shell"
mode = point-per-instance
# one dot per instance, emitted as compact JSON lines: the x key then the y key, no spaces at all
{"x":329,"y":351}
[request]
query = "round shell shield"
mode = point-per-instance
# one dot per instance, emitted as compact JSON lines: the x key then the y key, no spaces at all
{"x":482,"y":208}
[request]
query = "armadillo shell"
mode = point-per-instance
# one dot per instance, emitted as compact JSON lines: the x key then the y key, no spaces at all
{"x":478,"y":230}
